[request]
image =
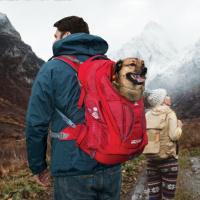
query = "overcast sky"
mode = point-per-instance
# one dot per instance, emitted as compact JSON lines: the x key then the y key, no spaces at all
{"x":117,"y":21}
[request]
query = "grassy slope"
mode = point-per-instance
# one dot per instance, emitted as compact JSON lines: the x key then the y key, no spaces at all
{"x":20,"y":184}
{"x":16,"y":180}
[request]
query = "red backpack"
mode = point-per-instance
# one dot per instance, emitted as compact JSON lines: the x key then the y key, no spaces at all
{"x":115,"y":129}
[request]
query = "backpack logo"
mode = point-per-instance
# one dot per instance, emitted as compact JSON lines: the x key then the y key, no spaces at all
{"x":95,"y":113}
{"x":136,"y":141}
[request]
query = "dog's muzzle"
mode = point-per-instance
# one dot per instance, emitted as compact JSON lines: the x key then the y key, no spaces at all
{"x":135,"y":78}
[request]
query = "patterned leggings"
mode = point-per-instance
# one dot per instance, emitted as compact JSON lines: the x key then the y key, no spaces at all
{"x":162,"y":178}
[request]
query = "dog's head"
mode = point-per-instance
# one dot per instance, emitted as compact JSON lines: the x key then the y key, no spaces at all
{"x":130,"y":76}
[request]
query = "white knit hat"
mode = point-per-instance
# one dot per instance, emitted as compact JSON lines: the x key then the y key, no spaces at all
{"x":156,"y":97}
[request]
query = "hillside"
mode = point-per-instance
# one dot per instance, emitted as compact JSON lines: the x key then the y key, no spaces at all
{"x":18,"y":68}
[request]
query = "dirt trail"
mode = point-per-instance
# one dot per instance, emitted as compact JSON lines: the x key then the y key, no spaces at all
{"x":188,"y":182}
{"x":140,"y":190}
{"x":189,"y":178}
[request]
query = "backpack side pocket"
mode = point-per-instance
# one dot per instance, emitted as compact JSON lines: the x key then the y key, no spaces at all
{"x":152,"y":147}
{"x":170,"y":148}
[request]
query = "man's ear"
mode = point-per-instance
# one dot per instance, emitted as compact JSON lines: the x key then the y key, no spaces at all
{"x":66,"y":34}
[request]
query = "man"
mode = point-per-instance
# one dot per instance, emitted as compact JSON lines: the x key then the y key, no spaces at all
{"x":76,"y":175}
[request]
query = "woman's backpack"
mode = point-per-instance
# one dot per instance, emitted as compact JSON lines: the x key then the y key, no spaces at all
{"x":159,"y":144}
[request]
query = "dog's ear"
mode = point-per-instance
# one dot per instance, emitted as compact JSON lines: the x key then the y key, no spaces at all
{"x":144,"y":69}
{"x":117,"y":66}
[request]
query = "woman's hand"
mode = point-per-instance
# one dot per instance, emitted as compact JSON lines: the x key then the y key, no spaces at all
{"x":180,"y":124}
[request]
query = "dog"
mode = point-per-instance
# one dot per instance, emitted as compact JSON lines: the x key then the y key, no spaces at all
{"x":130,"y":76}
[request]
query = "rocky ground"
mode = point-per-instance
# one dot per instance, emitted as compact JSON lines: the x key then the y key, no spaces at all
{"x":140,"y":190}
{"x":189,"y":179}
{"x":188,"y":186}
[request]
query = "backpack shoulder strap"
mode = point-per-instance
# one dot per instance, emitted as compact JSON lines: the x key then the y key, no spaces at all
{"x":71,"y":60}
{"x":171,"y":111}
{"x":82,"y":76}
{"x":158,"y":131}
{"x":66,"y":119}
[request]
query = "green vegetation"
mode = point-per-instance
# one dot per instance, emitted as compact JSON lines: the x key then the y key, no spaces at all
{"x":183,"y":163}
{"x":21,"y":185}
{"x":130,"y":170}
{"x":195,"y":152}
{"x":181,"y":194}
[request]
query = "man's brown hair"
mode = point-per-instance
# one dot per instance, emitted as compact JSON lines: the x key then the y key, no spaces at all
{"x":73,"y":24}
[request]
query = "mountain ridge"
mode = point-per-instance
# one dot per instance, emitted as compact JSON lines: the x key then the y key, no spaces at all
{"x":7,"y":27}
{"x":18,"y":64}
{"x":18,"y":68}
{"x":176,"y":71}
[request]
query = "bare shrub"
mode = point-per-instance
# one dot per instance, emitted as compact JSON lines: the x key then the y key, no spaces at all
{"x":190,"y":138}
{"x":13,"y":156}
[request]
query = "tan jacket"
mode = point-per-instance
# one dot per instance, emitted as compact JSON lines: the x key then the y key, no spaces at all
{"x":162,"y":133}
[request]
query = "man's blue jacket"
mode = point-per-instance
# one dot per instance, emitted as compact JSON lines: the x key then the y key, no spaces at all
{"x":56,"y":86}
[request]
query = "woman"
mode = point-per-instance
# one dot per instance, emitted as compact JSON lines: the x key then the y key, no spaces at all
{"x":163,"y":130}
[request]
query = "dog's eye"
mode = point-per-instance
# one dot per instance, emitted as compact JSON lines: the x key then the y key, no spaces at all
{"x":131,"y":64}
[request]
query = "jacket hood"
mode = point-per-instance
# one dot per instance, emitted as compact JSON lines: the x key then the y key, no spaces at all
{"x":156,"y":117}
{"x":80,"y":44}
{"x":161,"y":109}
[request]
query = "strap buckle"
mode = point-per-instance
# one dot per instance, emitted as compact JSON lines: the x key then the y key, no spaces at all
{"x":59,"y":135}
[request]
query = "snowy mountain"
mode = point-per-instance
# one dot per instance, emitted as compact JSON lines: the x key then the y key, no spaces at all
{"x":177,"y":71}
{"x":182,"y":82}
{"x":18,"y":65}
{"x":153,"y":46}
{"x":6,"y":26}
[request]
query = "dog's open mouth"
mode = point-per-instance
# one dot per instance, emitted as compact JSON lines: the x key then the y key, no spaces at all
{"x":135,"y":78}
